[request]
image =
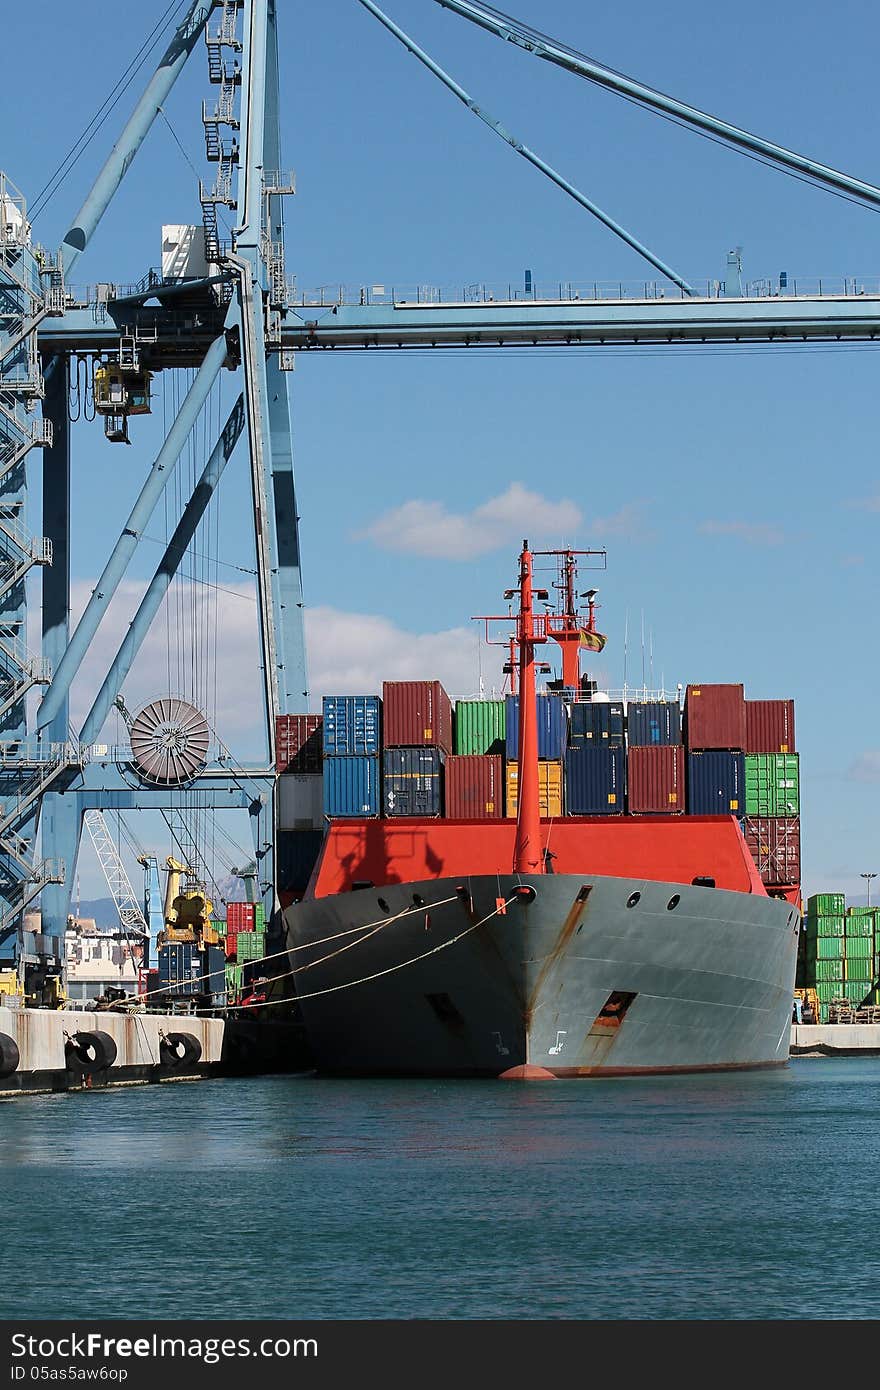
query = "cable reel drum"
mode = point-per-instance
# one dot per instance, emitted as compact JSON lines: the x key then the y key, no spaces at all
{"x":169,"y":742}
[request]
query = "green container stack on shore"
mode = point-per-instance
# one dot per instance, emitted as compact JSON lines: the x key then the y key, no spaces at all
{"x":839,"y":953}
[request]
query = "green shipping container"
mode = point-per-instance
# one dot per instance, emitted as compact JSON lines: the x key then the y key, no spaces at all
{"x":824,"y":926}
{"x":480,"y":726}
{"x":826,"y":905}
{"x":827,"y":992}
{"x":251,"y":945}
{"x":857,"y":990}
{"x":827,"y":970}
{"x":259,"y":916}
{"x":233,"y":979}
{"x":772,"y":784}
{"x":859,"y":948}
{"x":821,"y":948}
{"x":860,"y":924}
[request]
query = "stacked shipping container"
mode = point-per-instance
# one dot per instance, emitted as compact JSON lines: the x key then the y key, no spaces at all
{"x":352,"y":762}
{"x":839,"y":953}
{"x":552,"y":723}
{"x":417,"y":738}
{"x":411,"y":753}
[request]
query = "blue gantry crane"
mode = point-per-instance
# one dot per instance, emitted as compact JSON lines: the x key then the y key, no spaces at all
{"x":227,"y":305}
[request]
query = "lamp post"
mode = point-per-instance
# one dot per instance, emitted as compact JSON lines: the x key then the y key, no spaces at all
{"x":867,"y":878}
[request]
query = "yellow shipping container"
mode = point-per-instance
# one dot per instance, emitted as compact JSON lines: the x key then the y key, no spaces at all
{"x":549,"y":785}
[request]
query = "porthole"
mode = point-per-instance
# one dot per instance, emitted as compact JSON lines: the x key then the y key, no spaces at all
{"x":673,"y":902}
{"x":633,"y":899}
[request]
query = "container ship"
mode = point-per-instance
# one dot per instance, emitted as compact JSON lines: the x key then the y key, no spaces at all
{"x":551,"y":885}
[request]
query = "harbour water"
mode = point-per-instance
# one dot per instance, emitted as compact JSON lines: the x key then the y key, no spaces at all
{"x":728,"y":1196}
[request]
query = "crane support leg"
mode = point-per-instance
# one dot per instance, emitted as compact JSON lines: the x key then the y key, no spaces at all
{"x":60,"y":826}
{"x":56,"y":527}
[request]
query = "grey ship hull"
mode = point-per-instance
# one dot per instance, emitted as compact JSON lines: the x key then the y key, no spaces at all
{"x":703,"y":984}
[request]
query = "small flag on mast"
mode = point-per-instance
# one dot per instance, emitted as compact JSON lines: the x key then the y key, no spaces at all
{"x":593,"y":641}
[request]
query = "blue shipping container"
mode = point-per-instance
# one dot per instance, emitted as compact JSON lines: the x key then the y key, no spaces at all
{"x":716,"y":784}
{"x":552,"y":727}
{"x":598,"y":725}
{"x":180,"y":965}
{"x":594,"y":781}
{"x":296,"y":856}
{"x":412,"y":783}
{"x":352,"y":724}
{"x":650,"y":722}
{"x":352,"y":786}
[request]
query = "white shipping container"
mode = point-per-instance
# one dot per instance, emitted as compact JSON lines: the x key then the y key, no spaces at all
{"x":300,"y":801}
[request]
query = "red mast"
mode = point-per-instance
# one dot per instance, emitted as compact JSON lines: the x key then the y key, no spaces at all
{"x":567,"y":626}
{"x":528,"y":856}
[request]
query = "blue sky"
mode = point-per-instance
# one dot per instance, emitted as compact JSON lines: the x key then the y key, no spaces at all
{"x":736,"y":491}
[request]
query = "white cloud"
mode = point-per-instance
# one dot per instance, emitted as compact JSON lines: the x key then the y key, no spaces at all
{"x":352,"y":653}
{"x":753,"y":532}
{"x":428,"y":528}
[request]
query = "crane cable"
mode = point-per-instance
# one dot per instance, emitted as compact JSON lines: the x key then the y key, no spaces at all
{"x":54,"y":182}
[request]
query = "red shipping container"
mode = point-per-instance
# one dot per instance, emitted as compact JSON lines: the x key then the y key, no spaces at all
{"x":715,"y":717}
{"x":775,"y":845}
{"x":770,"y":726}
{"x":240,"y":917}
{"x":416,"y":714}
{"x":474,"y":787}
{"x":231,"y":943}
{"x":655,"y":779}
{"x":299,"y":745}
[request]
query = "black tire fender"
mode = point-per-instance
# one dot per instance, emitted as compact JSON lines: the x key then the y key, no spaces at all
{"x":179,"y":1050}
{"x":9,"y":1055}
{"x":90,"y":1052}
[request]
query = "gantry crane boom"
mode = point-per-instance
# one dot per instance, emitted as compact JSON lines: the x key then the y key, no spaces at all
{"x":131,"y":915}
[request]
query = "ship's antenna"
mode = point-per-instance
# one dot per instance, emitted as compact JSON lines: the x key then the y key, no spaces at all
{"x":651,"y":655}
{"x":644,"y":686}
{"x":625,"y":645}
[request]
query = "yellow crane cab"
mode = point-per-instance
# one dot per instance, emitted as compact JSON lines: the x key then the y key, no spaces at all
{"x":119,"y":392}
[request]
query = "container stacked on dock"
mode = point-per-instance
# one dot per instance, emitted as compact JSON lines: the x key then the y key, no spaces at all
{"x":552,"y":742}
{"x":860,"y":947}
{"x":352,"y":768}
{"x":475,"y":771}
{"x":418,"y":723}
{"x":821,"y":961}
{"x":245,"y":945}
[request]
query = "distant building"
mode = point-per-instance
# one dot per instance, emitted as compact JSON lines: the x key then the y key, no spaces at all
{"x":96,"y":959}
